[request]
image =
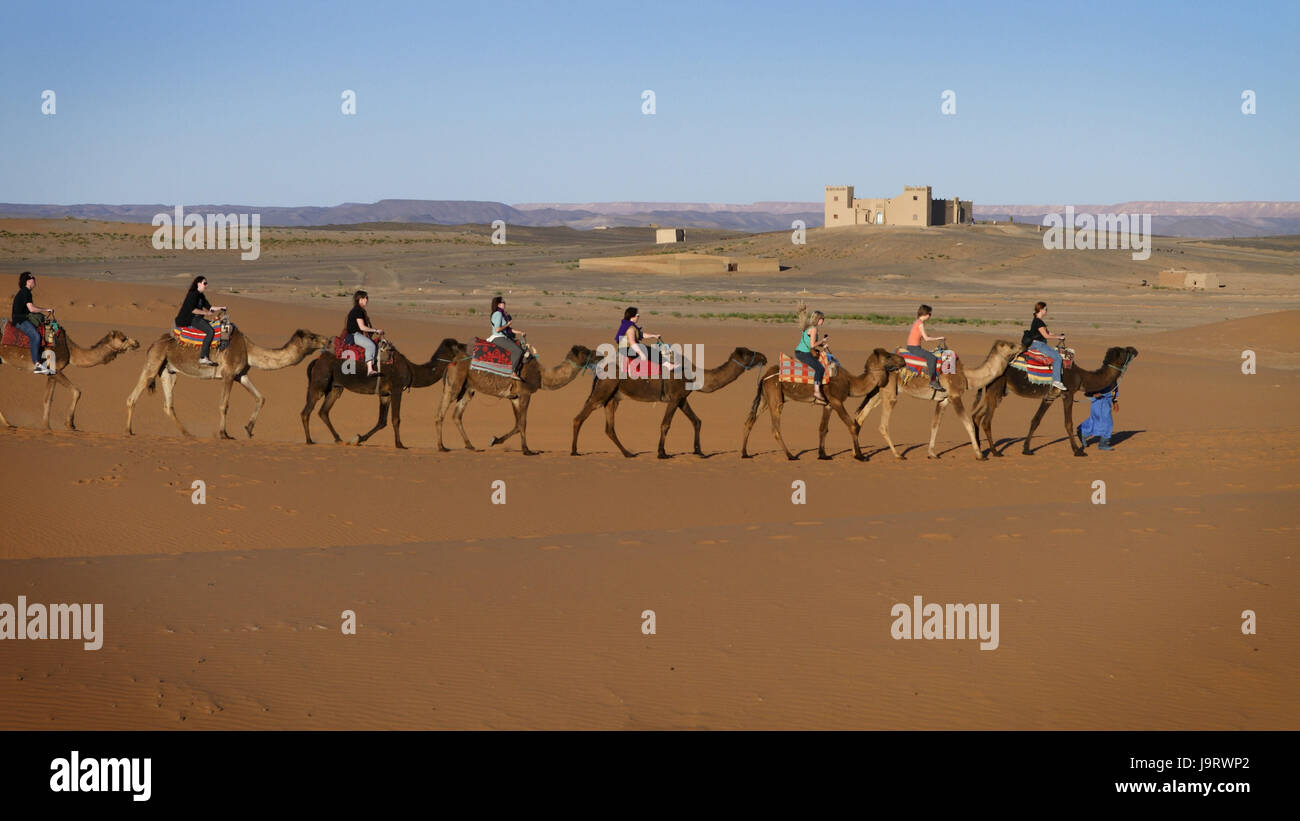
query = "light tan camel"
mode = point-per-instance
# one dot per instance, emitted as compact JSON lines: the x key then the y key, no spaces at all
{"x":168,"y":357}
{"x":774,"y":393}
{"x":606,"y":393}
{"x":962,"y":379}
{"x":461,"y":382}
{"x":67,"y":352}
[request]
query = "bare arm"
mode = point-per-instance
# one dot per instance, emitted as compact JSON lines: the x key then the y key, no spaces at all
{"x":31,"y":308}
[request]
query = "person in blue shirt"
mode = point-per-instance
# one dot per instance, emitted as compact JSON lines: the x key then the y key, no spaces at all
{"x":1099,"y":423}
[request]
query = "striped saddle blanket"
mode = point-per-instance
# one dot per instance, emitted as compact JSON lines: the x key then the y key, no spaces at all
{"x":487,"y":357}
{"x":194,"y":336}
{"x":1037,"y":367}
{"x":792,"y":370}
{"x":916,"y":364}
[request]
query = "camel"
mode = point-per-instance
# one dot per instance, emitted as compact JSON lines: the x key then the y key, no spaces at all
{"x":1075,"y":379}
{"x":325,"y":377}
{"x":774,"y":393}
{"x":960,"y":380}
{"x":67,"y":352}
{"x":607,"y":393}
{"x":461,"y":382}
{"x":168,"y":357}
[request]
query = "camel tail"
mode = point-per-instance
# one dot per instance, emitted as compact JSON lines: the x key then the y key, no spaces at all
{"x":153,"y":377}
{"x":758,"y":399}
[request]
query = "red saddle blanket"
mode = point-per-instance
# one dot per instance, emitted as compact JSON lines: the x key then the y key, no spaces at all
{"x":346,"y":350}
{"x":15,"y":337}
{"x":792,"y":370}
{"x":488,"y":353}
{"x":917,"y":363}
{"x":194,"y":336}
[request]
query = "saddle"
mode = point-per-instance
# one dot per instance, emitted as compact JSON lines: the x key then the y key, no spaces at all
{"x":488,"y":357}
{"x":792,"y":370}
{"x":222,"y":332}
{"x":1038,"y":367}
{"x":344,"y":350}
{"x":51,"y":334}
{"x":916,"y":364}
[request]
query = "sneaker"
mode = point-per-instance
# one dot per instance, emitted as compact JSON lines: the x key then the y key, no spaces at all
{"x":1059,"y":386}
{"x":205,"y":361}
{"x":42,"y":370}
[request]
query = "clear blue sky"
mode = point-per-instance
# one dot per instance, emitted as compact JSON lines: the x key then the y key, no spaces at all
{"x":525,"y":102}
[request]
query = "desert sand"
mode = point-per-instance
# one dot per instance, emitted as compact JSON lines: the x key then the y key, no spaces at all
{"x":227,"y":615}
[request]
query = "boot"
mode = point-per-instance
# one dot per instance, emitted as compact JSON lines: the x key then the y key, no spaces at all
{"x":1105,"y":444}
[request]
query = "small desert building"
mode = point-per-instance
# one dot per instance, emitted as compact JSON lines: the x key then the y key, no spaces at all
{"x":915,"y":206}
{"x":1179,"y":278}
{"x":663,"y":235}
{"x":681,"y":264}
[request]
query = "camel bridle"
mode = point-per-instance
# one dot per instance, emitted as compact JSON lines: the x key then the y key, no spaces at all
{"x":753,"y":361}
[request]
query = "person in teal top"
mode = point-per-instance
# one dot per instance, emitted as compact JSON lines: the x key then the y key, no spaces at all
{"x":503,"y":336}
{"x":810,"y":342}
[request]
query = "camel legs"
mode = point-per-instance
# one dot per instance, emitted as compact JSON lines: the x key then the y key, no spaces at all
{"x":774,"y":408}
{"x":227,"y":385}
{"x":603,"y":394}
{"x":454,"y":387}
{"x":695,"y":420}
{"x":458,"y":415}
{"x":168,"y":381}
{"x":849,"y":422}
{"x":960,"y":409}
{"x":70,"y":422}
{"x":667,"y":422}
{"x":324,"y":412}
{"x":939,"y":408}
{"x":1068,"y":399}
{"x":887,"y":410}
{"x":258,"y":401}
{"x":520,"y":406}
{"x":1033,"y":424}
{"x":397,"y":419}
{"x":382,"y":422}
{"x":610,"y":408}
{"x":759,"y":401}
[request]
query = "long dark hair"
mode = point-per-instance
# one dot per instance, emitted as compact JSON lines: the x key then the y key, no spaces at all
{"x":358,"y":296}
{"x":24,"y":277}
{"x":194,"y":286}
{"x":496,"y":303}
{"x":629,"y":313}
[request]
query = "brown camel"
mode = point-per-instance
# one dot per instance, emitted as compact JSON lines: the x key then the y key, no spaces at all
{"x":67,"y":352}
{"x":774,"y":393}
{"x":168,"y":357}
{"x":960,"y":380}
{"x":1075,"y":379}
{"x":608,"y":392}
{"x":461,"y":382}
{"x":325,"y":377}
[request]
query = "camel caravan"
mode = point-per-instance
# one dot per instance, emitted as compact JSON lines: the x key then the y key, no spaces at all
{"x":205,"y":344}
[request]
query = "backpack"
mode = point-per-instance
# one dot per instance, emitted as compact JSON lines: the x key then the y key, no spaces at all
{"x":1027,"y":338}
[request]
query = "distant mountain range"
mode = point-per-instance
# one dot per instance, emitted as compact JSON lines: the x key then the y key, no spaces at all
{"x":1199,"y":219}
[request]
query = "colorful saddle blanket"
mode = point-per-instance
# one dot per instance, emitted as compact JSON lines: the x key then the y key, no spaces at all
{"x":792,"y":370}
{"x":1037,"y":367}
{"x":194,"y":336}
{"x":50,"y":335}
{"x":345,"y":350}
{"x":917,"y":363}
{"x":487,"y":357}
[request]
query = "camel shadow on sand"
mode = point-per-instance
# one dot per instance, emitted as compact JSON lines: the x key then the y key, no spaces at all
{"x":1116,"y":438}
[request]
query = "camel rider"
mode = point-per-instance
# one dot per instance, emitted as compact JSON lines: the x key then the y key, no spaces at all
{"x":21,"y":316}
{"x":631,"y":339}
{"x":503,"y":335}
{"x":359,"y":326}
{"x":195,"y":312}
{"x":810,"y":343}
{"x":1038,"y":336}
{"x":916,"y":336}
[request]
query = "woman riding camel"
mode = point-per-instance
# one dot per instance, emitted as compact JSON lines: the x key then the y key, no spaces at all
{"x":194,"y":313}
{"x":916,"y":336}
{"x":359,"y":326}
{"x":503,"y":335}
{"x":20,"y":316}
{"x":630,"y":340}
{"x":811,"y":341}
{"x":1039,"y":335}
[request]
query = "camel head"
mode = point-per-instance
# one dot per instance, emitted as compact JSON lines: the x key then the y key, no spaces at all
{"x":1005,"y":350}
{"x":120,"y":342}
{"x":748,"y":359}
{"x":881,"y":359}
{"x":310,"y":340}
{"x":583,"y":356}
{"x":1120,"y":357}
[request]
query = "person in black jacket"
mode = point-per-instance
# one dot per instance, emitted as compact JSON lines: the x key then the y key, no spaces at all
{"x":194,"y":313}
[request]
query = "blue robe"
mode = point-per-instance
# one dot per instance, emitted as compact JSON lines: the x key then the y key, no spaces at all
{"x":1099,"y":422}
